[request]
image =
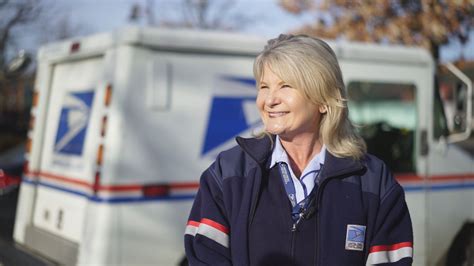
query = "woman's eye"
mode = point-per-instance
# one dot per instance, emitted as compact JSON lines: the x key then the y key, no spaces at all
{"x":263,"y":87}
{"x":285,"y":86}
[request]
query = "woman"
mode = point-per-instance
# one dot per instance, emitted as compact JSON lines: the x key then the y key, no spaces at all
{"x":304,"y":193}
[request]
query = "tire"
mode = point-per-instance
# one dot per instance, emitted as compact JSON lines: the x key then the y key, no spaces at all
{"x":461,"y":252}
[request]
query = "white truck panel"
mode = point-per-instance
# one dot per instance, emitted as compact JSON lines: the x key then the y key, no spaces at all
{"x":417,"y":206}
{"x":190,"y":102}
{"x":70,"y":146}
{"x":70,"y":110}
{"x":443,"y":213}
{"x":60,"y":213}
{"x":24,"y":212}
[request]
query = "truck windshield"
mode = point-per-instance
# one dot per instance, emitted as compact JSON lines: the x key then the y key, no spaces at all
{"x":385,"y":115}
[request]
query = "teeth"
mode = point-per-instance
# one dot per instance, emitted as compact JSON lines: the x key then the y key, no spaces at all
{"x":276,"y":114}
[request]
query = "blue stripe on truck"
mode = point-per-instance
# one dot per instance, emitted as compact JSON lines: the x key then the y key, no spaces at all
{"x":98,"y":199}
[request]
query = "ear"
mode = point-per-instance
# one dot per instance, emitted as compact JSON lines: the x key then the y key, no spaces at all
{"x":323,"y":109}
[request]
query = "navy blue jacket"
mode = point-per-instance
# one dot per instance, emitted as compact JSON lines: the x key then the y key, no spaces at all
{"x":361,"y":213}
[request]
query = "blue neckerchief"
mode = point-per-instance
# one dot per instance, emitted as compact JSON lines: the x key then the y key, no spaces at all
{"x":297,"y":207}
{"x":307,"y":179}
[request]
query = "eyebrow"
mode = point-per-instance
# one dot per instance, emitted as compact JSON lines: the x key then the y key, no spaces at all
{"x":279,"y":83}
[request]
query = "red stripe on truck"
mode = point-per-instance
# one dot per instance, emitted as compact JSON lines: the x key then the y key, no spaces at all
{"x":117,"y":188}
{"x":403,"y":178}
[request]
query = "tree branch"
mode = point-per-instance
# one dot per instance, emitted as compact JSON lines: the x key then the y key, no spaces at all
{"x":24,"y":13}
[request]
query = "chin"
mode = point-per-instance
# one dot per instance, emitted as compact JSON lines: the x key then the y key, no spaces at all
{"x":275,"y":132}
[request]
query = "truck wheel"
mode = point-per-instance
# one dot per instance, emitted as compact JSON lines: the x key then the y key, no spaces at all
{"x":184,"y":261}
{"x":461,"y":251}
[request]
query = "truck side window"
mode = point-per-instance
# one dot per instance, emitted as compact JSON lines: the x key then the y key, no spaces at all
{"x":441,"y":127}
{"x":386,"y":117}
{"x":444,"y":103}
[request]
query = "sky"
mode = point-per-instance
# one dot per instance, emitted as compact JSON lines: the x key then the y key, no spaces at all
{"x":104,"y":15}
{"x":266,"y":18}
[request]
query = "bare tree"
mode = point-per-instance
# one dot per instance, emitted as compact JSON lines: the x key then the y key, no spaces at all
{"x":13,"y":14}
{"x":25,"y":25}
{"x":426,"y":23}
{"x":58,"y":27}
{"x":202,"y":14}
{"x":207,"y":14}
{"x":28,"y":24}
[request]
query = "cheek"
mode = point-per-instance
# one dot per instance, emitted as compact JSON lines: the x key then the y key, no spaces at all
{"x":260,"y":102}
{"x":293,"y":100}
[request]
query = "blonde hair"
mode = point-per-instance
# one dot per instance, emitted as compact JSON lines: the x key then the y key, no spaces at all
{"x":310,"y":65}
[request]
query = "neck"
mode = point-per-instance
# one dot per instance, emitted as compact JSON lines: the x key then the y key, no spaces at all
{"x":301,"y":150}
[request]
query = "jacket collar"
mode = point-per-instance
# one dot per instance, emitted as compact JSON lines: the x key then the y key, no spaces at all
{"x":260,"y":149}
{"x":340,"y":166}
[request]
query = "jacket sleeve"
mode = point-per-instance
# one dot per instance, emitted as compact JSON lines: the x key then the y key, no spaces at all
{"x":392,"y":242}
{"x":207,"y":231}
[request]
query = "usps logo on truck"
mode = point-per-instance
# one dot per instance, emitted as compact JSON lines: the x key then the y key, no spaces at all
{"x":73,"y":122}
{"x":233,"y":112}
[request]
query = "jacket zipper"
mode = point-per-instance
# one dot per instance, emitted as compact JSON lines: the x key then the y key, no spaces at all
{"x":294,"y":231}
{"x":293,"y":239}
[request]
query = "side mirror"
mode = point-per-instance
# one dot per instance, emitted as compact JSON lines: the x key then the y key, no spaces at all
{"x":461,"y":112}
{"x":463,"y":106}
{"x":18,"y":64}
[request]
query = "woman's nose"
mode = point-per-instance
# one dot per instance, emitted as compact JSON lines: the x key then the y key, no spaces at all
{"x":272,"y":98}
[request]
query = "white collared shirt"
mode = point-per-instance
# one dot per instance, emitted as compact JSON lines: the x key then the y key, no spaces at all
{"x":305,"y":184}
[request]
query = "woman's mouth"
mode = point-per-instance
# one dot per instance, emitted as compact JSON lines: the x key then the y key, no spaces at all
{"x":276,"y":114}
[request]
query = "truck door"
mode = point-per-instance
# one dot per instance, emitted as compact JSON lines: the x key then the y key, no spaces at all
{"x":68,"y":158}
{"x":387,"y":102}
{"x":450,"y":191}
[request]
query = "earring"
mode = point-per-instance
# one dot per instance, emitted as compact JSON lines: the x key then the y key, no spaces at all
{"x":323,"y":109}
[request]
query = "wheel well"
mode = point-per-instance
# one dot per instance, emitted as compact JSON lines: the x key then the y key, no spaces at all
{"x":183,"y":261}
{"x":461,"y":251}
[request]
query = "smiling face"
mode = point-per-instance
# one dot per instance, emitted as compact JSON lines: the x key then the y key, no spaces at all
{"x":284,"y":110}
